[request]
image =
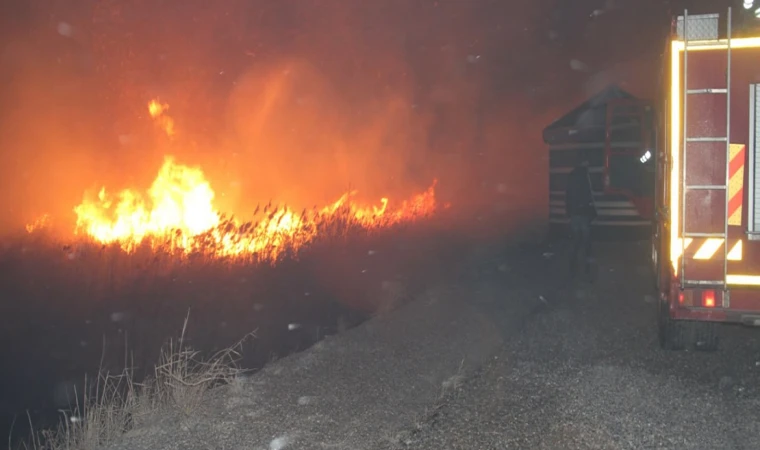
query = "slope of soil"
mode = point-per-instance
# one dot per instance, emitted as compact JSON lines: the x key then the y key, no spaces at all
{"x":586,"y":372}
{"x":354,"y":390}
{"x":510,"y":356}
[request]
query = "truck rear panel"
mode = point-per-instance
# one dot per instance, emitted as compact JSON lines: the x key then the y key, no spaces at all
{"x":709,"y":188}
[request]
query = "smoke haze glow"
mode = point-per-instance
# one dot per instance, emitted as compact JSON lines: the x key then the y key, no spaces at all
{"x":292,"y":101}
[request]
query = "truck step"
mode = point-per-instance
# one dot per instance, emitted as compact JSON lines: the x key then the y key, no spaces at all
{"x":706,"y":187}
{"x":702,"y":283}
{"x":704,"y":235}
{"x":706,"y":139}
{"x":707,"y":91}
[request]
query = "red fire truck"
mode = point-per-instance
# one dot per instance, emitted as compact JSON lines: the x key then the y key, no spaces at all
{"x":706,"y":243}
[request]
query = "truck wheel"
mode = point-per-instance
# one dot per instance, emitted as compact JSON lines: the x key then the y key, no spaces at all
{"x":706,"y":336}
{"x":673,"y":334}
{"x":656,"y":266}
{"x":656,"y":256}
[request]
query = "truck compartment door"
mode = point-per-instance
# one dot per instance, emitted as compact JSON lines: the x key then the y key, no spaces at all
{"x":754,"y":163}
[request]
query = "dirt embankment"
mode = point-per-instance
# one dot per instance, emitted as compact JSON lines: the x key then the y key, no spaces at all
{"x":509,"y":356}
{"x":354,"y":390}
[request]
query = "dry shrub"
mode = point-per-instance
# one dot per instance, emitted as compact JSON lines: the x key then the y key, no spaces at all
{"x":118,"y":403}
{"x":181,"y":378}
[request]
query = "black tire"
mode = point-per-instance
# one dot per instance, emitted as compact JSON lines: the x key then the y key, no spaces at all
{"x":673,"y":334}
{"x":656,"y":244}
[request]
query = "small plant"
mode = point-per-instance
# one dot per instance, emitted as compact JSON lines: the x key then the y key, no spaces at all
{"x":118,"y":403}
{"x":64,"y":284}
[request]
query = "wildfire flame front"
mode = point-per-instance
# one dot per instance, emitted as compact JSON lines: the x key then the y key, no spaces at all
{"x":178,"y":212}
{"x":178,"y":209}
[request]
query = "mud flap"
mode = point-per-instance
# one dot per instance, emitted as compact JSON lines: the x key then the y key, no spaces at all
{"x":685,"y":334}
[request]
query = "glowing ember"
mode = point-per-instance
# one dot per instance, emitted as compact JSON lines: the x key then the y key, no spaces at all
{"x":178,"y":211}
{"x":39,"y":224}
{"x":158,"y":113}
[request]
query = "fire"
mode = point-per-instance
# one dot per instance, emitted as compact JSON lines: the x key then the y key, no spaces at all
{"x":180,"y":199}
{"x":157,"y":111}
{"x":38,"y":224}
{"x":177,"y":213}
{"x":177,"y":210}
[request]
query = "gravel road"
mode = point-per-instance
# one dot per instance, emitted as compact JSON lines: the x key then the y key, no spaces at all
{"x":511,"y":356}
{"x":584,"y":371}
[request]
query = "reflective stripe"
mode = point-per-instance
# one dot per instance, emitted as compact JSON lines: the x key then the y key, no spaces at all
{"x":736,"y":184}
{"x":735,"y":254}
{"x":678,"y":245}
{"x":675,"y":128}
{"x":743,"y":280}
{"x":706,"y":249}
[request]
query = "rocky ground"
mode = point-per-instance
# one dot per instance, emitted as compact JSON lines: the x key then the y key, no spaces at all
{"x":511,"y":355}
{"x":586,"y":372}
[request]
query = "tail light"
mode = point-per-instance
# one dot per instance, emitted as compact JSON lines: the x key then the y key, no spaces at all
{"x":708,"y":298}
{"x":686,"y":298}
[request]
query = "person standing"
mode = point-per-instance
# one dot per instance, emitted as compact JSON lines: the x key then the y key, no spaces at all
{"x":581,"y":210}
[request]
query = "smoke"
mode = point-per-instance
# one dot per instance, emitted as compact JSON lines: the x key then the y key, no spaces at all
{"x":299,"y":139}
{"x":49,"y":121}
{"x":286,"y":100}
{"x":345,"y":108}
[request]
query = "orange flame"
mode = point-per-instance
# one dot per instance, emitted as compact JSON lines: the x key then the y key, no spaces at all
{"x":177,"y":213}
{"x":158,"y":112}
{"x":179,"y":199}
{"x":178,"y":210}
{"x":38,"y":224}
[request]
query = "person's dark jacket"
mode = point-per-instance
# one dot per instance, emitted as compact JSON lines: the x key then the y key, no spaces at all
{"x":579,"y":200}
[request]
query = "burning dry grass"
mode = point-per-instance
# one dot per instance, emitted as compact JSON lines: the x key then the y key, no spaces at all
{"x":179,"y":383}
{"x":95,"y":272}
{"x":177,"y":213}
{"x":65,"y":294}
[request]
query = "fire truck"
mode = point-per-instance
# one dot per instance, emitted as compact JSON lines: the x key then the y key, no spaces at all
{"x":706,"y":240}
{"x":615,"y":131}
